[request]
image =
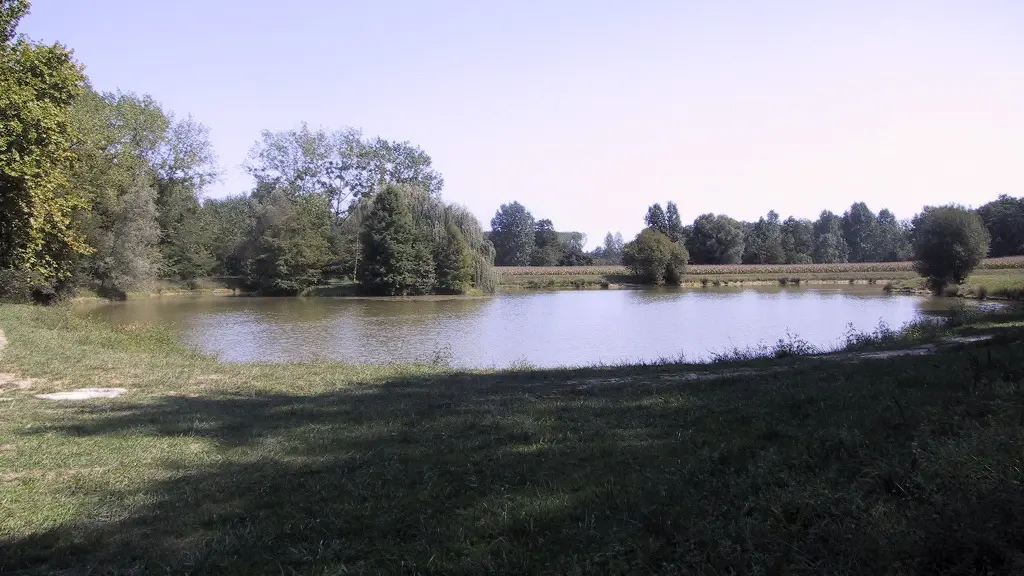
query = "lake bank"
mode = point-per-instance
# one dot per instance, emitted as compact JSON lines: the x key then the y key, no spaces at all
{"x":234,"y":468}
{"x":998,"y":277}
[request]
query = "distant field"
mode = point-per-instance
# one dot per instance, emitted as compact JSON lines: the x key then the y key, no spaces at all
{"x":1013,"y":262}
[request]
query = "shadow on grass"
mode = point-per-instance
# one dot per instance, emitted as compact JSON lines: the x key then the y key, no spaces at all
{"x":906,"y":465}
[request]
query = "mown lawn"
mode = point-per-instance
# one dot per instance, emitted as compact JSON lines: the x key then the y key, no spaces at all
{"x":908,"y":465}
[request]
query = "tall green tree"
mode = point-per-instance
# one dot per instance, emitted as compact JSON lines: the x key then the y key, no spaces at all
{"x":892,"y":239}
{"x":547,"y":246}
{"x":1004,"y":220}
{"x":116,"y":137}
{"x":859,"y":226}
{"x":673,"y":223}
{"x":341,"y":164}
{"x":290,"y":246}
{"x":38,"y":85}
{"x":764,"y":244}
{"x":125,"y":253}
{"x":656,"y":218}
{"x":715,"y":240}
{"x":797,"y":241}
{"x":949,"y":242}
{"x":829,"y":245}
{"x":453,"y":262}
{"x":571,"y":248}
{"x":513,"y":235}
{"x":396,"y":259}
{"x":610,"y":250}
{"x":184,"y":165}
{"x":229,"y":228}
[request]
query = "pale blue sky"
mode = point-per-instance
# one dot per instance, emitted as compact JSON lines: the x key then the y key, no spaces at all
{"x":586,"y":111}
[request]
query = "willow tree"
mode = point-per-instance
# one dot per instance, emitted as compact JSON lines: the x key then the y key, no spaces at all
{"x":413,"y":243}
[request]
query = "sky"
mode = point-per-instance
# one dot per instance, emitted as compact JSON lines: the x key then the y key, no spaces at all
{"x":588,"y":111}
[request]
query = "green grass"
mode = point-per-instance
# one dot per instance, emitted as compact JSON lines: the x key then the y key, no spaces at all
{"x":1004,"y":284}
{"x":901,"y":274}
{"x":595,"y":281}
{"x":909,"y":465}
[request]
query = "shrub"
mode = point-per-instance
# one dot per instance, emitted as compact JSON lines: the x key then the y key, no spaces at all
{"x":655,"y":259}
{"x":949,"y":242}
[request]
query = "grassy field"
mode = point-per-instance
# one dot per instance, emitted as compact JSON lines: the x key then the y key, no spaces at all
{"x":541,"y":277}
{"x":907,"y":465}
{"x":998,"y":283}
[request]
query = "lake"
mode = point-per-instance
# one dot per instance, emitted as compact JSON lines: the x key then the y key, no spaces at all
{"x":544,"y":329}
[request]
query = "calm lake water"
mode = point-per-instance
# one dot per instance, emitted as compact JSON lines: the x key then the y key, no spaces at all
{"x":542,"y":328}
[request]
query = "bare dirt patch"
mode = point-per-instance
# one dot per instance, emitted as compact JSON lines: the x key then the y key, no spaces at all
{"x":84,"y":394}
{"x":9,"y":381}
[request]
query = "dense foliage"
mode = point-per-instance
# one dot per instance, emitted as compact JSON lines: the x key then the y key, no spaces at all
{"x":520,"y":240}
{"x":949,"y":242}
{"x":38,"y":86}
{"x":1004,"y":220}
{"x":654,"y":258}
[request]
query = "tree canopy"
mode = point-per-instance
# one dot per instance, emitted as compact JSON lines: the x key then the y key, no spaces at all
{"x":38,"y":87}
{"x":654,"y":258}
{"x":949,"y":242}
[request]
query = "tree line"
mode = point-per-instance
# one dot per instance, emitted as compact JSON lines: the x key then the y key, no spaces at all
{"x":857,"y":235}
{"x":945,"y":242}
{"x":521,"y":240}
{"x":102,"y":190}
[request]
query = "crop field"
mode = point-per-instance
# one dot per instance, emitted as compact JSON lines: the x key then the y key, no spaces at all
{"x":1013,"y":262}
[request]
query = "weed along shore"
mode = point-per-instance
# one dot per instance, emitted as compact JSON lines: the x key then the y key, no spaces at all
{"x":772,"y":461}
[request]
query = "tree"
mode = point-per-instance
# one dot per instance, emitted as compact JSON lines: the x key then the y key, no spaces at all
{"x":571,"y":248}
{"x":184,"y":166}
{"x":1004,"y":220}
{"x":289,"y":244}
{"x":673,"y":223}
{"x":610,"y":251}
{"x":656,"y":218}
{"x":715,"y":240}
{"x":797,"y":241}
{"x":859,"y":231}
{"x":125,"y":253}
{"x":654,"y":258}
{"x":513,"y":235}
{"x":396,"y":259}
{"x":547,"y":246}
{"x":115,"y":140}
{"x":38,"y":86}
{"x":453,"y":263}
{"x":949,"y":242}
{"x":829,"y":245}
{"x":341,"y":165}
{"x":229,"y":227}
{"x":764,"y":244}
{"x":892,"y":239}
